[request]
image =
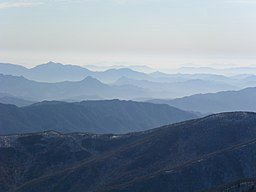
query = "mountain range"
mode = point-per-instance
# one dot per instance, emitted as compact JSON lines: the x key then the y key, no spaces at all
{"x":242,"y":100}
{"x":66,"y":90}
{"x":71,"y":82}
{"x":139,"y":85}
{"x":177,"y":89}
{"x":192,"y":156}
{"x":220,"y":71}
{"x":93,"y":89}
{"x":112,"y":116}
{"x":56,"y":72}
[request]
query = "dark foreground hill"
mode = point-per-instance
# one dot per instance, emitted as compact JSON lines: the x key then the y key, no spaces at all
{"x":189,"y":156}
{"x":244,"y":185}
{"x":109,"y":116}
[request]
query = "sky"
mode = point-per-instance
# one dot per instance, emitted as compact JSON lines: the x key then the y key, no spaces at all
{"x":157,"y":33}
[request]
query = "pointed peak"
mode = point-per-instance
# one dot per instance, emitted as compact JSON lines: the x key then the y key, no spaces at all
{"x":50,"y":62}
{"x":90,"y":79}
{"x":53,"y":63}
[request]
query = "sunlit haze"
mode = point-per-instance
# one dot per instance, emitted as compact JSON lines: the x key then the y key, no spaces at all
{"x":157,"y":33}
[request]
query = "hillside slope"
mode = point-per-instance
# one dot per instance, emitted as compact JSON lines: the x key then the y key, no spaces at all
{"x":242,"y":100}
{"x":109,"y":116}
{"x":243,"y":185}
{"x":188,"y":156}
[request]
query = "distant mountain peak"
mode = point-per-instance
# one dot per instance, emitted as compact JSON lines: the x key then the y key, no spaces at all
{"x":53,"y":63}
{"x":48,"y":64}
{"x":123,"y":78}
{"x":124,"y":70}
{"x":90,"y":78}
{"x":92,"y":81}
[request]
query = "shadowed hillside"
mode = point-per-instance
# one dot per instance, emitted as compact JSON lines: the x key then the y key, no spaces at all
{"x":244,"y":185}
{"x":188,"y":156}
{"x":110,"y":116}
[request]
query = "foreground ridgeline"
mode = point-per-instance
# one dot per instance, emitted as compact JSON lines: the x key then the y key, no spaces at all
{"x":195,"y":155}
{"x":244,"y":185}
{"x":109,"y":116}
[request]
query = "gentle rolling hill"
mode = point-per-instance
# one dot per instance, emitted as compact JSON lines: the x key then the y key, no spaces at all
{"x":112,"y":116}
{"x":177,"y":89}
{"x":242,"y":100}
{"x":19,"y":102}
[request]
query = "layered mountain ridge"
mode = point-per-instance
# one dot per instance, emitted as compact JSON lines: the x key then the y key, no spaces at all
{"x":106,"y":116}
{"x":122,"y":83}
{"x":226,"y":101}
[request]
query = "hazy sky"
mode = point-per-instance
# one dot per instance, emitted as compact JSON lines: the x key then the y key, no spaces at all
{"x":159,"y":33}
